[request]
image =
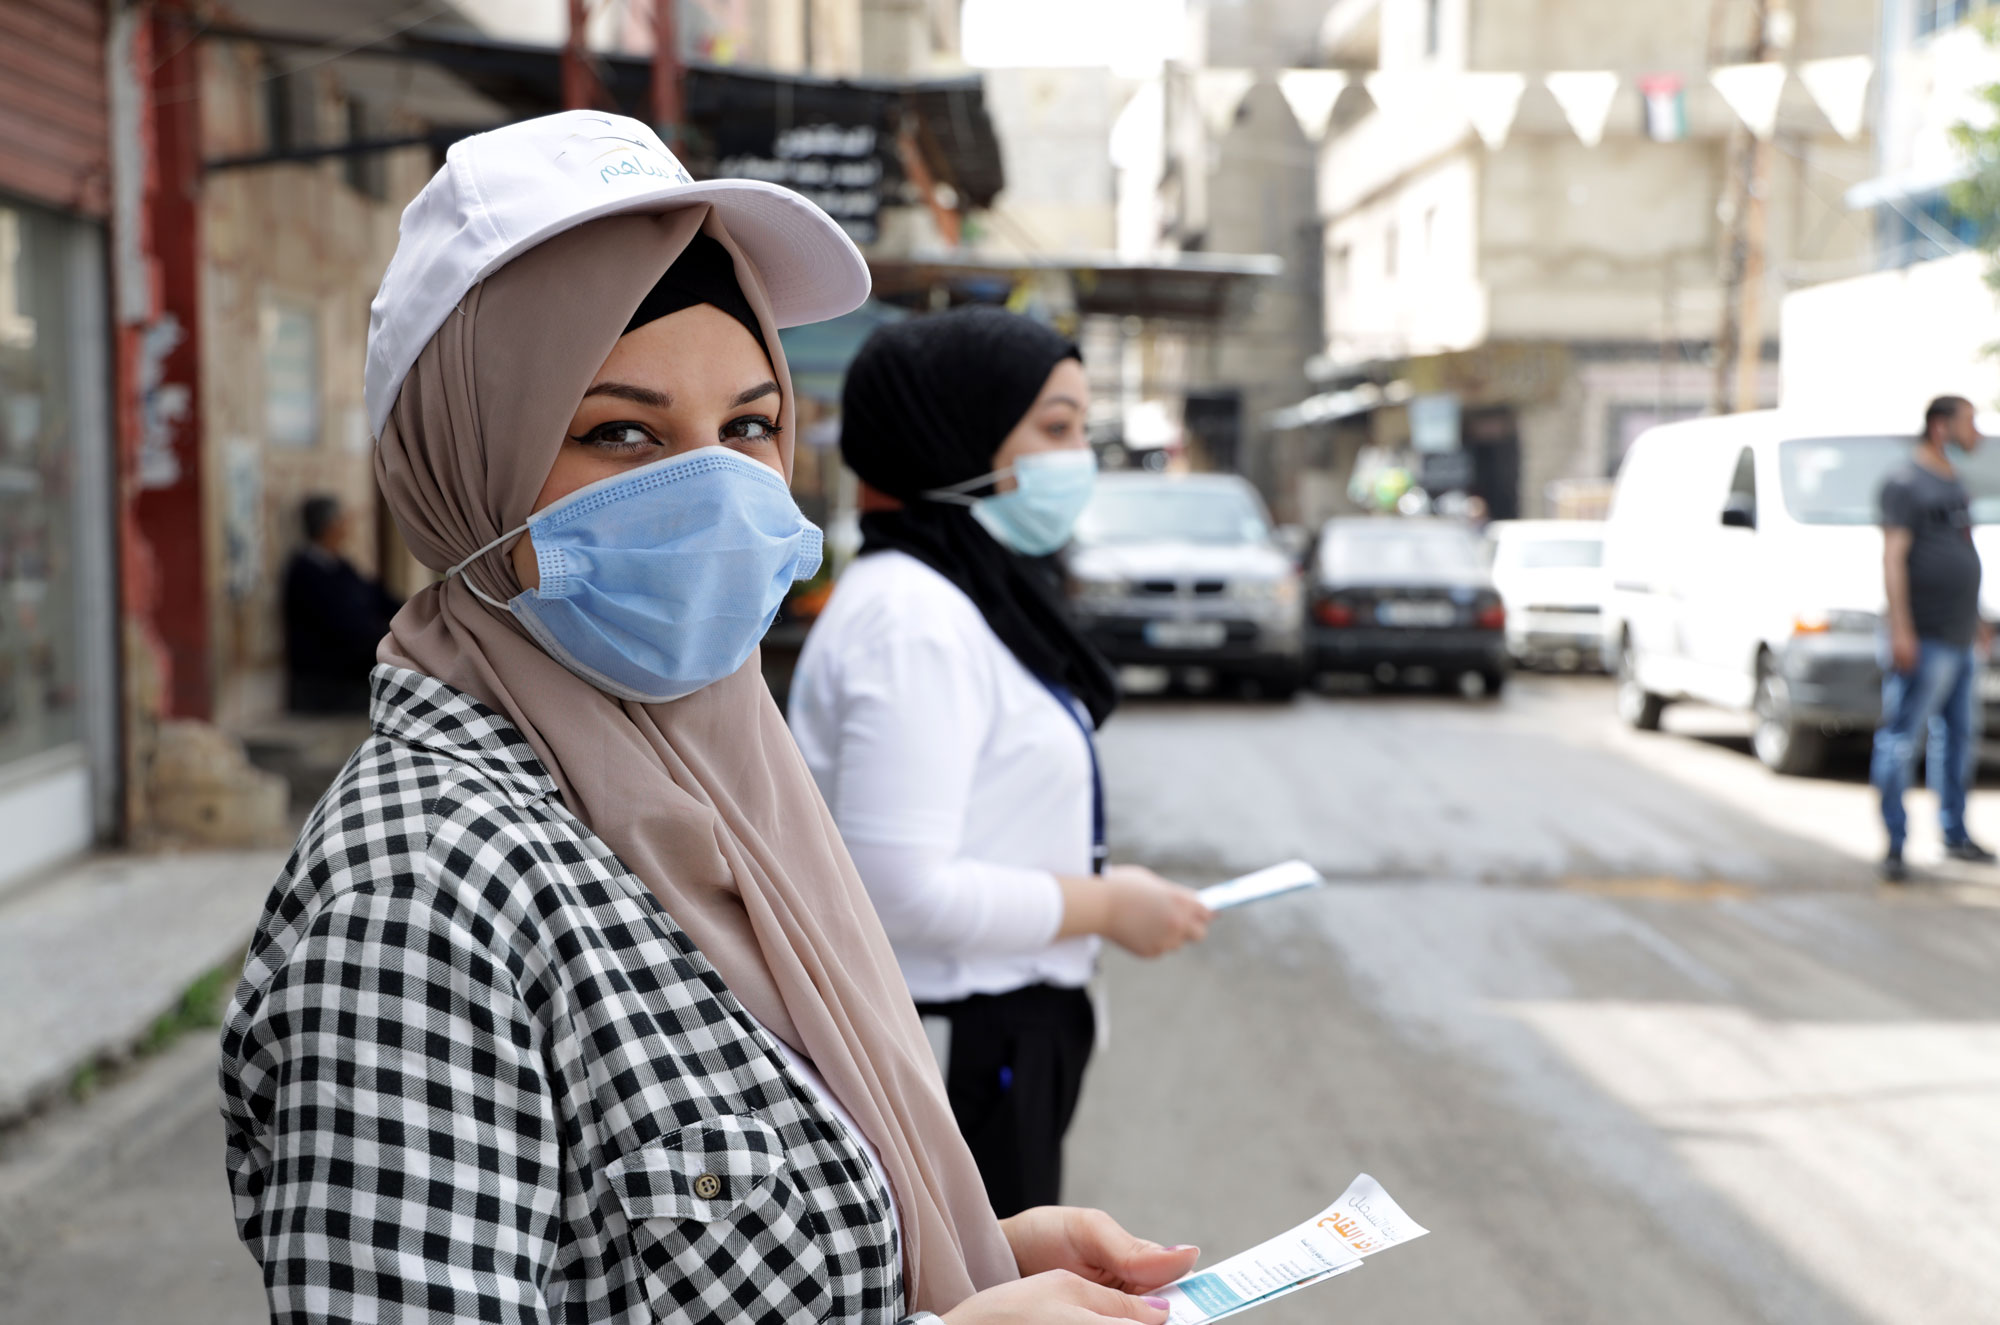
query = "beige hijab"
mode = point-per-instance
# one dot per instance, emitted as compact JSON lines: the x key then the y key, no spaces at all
{"x":705,"y":798}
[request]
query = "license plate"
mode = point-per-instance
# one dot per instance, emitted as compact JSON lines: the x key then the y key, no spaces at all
{"x":1416,"y":614}
{"x":1989,"y":686}
{"x":1185,"y":634}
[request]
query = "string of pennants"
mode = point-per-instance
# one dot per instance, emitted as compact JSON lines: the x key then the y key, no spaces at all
{"x":1492,"y":100}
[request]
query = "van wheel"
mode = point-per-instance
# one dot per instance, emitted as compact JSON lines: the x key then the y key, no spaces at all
{"x":1638,"y":706}
{"x":1782,"y":744}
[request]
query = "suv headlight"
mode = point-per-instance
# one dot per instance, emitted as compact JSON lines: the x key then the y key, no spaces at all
{"x":1280,"y":592}
{"x":1098,"y":590}
{"x":1836,"y":623}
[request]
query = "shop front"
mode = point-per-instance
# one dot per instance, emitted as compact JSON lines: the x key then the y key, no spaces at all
{"x":58,"y":705}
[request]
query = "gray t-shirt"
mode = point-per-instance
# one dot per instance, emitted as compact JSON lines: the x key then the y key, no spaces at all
{"x":1944,"y":565}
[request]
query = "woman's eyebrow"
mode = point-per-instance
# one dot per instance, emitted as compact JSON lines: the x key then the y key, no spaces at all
{"x":638,"y":395}
{"x":754,"y":393}
{"x":1070,"y":401}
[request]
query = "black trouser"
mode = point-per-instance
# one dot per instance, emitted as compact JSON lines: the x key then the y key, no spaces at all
{"x":1014,"y":1072}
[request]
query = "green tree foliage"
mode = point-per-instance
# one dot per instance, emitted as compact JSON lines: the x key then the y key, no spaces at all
{"x":1976,"y":197}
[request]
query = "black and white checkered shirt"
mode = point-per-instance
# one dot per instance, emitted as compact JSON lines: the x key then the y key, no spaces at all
{"x":475,"y":1073}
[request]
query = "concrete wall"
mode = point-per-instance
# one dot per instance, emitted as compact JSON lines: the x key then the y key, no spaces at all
{"x":1538,"y":35}
{"x":1402,"y":269}
{"x":908,"y":38}
{"x":1615,"y":241}
{"x":1261,"y":34}
{"x":1438,"y":245}
{"x":1261,"y":201}
{"x":1621,"y":240}
{"x":1053,"y":125}
{"x":814,"y":36}
{"x":297,"y":238}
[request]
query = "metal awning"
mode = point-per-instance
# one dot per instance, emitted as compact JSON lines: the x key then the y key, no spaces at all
{"x":724,"y":103}
{"x":1186,"y":287}
{"x":1897,"y":188}
{"x":1333,"y":406}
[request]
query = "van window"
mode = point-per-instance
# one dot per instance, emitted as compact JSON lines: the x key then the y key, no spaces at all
{"x":1557,"y":553}
{"x":1743,"y":484}
{"x":1835,"y":480}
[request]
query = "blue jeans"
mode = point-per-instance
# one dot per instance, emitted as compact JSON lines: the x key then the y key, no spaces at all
{"x":1942,"y":691}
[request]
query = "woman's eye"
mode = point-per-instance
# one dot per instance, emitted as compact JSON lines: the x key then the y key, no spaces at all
{"x":752,"y":428}
{"x":622,"y":437}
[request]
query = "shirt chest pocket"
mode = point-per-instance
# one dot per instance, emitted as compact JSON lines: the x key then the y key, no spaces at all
{"x":722,"y":1231}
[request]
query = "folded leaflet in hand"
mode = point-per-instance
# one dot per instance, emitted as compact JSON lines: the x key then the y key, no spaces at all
{"x":1288,"y":877}
{"x":1363,"y":1221}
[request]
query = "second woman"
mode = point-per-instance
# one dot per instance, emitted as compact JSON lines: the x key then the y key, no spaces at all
{"x":946,"y":707}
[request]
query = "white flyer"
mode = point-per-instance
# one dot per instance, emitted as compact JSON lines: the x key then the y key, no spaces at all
{"x":1363,"y":1221}
{"x":1285,"y":878}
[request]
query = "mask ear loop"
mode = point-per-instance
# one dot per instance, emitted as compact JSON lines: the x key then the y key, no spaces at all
{"x":958,"y":494}
{"x":483,"y":596}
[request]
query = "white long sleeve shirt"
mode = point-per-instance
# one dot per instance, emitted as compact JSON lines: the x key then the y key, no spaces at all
{"x":960,"y":785}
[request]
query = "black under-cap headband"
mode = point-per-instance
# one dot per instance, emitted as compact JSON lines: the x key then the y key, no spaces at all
{"x":704,"y":273}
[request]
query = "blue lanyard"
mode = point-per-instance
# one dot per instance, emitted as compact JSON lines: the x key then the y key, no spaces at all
{"x":1068,"y":704}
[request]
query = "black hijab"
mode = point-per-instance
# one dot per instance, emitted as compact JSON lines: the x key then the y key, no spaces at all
{"x":926,"y":405}
{"x":704,"y":273}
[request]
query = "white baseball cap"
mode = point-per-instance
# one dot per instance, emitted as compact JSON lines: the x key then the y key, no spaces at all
{"x":502,"y":192}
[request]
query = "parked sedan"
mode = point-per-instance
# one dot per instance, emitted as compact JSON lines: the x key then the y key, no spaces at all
{"x":1185,"y":573}
{"x":1395,"y":596}
{"x":1550,"y":574}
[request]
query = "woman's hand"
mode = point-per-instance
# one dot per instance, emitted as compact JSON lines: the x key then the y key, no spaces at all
{"x":1055,"y":1297}
{"x":1092,"y":1245}
{"x":1134,"y":908}
{"x":1150,"y":916}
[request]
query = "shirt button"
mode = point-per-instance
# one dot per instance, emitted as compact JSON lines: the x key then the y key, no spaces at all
{"x":708,"y":1186}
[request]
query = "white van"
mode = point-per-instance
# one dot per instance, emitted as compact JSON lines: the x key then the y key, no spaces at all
{"x":1745,"y":567}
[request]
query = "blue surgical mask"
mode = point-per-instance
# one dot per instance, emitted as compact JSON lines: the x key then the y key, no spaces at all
{"x":1051,"y":488}
{"x":660,"y":581}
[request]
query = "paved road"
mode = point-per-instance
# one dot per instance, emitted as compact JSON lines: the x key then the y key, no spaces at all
{"x":1624,"y":1020}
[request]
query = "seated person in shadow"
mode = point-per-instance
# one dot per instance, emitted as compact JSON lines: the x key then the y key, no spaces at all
{"x":334,"y":617}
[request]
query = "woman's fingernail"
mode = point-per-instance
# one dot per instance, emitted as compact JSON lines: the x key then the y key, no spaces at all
{"x":1158,"y":1303}
{"x":1185,"y":1246}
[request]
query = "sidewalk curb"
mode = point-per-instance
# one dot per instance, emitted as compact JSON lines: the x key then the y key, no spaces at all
{"x":92,"y":959}
{"x":68,"y":1151}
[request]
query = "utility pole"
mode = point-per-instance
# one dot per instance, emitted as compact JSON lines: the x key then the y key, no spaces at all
{"x":1739,"y":345}
{"x":667,"y":104}
{"x":577,"y":80}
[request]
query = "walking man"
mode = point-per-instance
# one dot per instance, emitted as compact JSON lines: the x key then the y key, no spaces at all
{"x":1936,"y":639}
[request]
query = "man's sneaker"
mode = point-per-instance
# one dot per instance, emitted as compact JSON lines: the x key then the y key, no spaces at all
{"x":1970,"y":852}
{"x":1892,"y":869}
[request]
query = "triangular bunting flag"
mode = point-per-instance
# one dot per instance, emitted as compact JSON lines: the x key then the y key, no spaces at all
{"x":1585,"y":97}
{"x":1839,"y":88}
{"x":1220,"y":93}
{"x":1491,"y":101}
{"x":1752,"y":91}
{"x":1311,"y":93}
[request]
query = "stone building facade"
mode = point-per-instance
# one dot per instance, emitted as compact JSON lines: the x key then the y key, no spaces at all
{"x":1568,"y":294}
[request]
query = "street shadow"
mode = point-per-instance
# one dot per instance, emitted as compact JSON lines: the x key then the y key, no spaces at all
{"x":1847,"y":759}
{"x":1368,"y":1029}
